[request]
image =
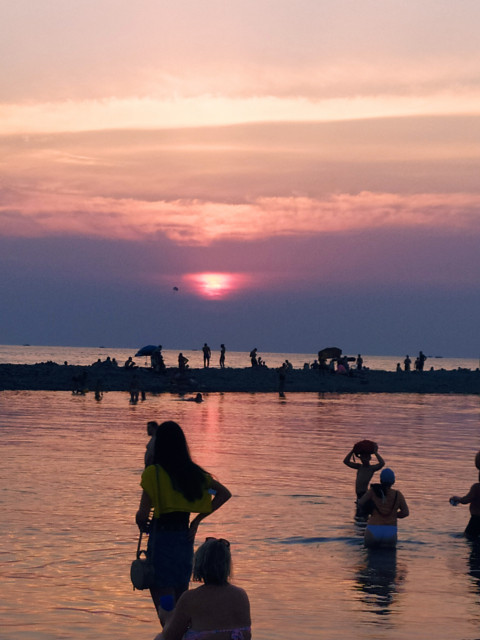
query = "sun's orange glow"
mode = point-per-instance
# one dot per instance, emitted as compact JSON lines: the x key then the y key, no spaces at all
{"x":215,"y":285}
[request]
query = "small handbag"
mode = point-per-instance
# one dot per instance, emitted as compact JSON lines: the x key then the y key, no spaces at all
{"x":142,"y":572}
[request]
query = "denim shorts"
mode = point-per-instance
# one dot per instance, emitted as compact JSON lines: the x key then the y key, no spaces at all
{"x":172,"y":554}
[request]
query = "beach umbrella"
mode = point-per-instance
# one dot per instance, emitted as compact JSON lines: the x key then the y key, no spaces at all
{"x":330,"y":352}
{"x":147,"y":350}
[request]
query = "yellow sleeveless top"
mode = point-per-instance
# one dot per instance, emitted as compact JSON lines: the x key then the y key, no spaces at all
{"x":166,"y":499}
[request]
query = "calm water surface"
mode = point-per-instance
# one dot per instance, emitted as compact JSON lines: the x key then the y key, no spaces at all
{"x":69,"y":489}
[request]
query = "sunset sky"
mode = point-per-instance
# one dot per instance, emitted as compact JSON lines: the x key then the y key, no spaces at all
{"x":306,"y":173}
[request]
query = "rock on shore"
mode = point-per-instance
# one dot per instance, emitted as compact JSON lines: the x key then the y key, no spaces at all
{"x":50,"y":376}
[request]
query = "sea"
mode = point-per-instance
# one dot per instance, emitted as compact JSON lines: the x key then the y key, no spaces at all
{"x":26,"y":354}
{"x":69,"y":490}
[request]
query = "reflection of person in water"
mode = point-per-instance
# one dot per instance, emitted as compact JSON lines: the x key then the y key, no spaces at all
{"x":474,"y":563}
{"x":378,"y":578}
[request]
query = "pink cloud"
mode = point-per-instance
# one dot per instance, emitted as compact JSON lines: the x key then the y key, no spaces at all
{"x":197,"y":222}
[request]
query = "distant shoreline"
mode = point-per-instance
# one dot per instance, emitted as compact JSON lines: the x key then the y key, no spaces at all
{"x":50,"y":376}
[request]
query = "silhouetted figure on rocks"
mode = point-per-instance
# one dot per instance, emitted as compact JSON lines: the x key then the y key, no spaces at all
{"x":207,"y":354}
{"x":158,"y":364}
{"x":282,"y":376}
{"x":222,"y":356}
{"x":182,"y":362}
{"x":130,"y":364}
{"x":420,"y":361}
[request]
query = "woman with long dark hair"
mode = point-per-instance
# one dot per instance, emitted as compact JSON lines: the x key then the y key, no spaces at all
{"x":174,"y":486}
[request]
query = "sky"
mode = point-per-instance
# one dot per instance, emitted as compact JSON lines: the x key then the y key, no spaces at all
{"x":289,"y":175}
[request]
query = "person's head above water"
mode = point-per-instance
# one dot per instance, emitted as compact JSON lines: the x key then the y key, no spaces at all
{"x":152,"y":426}
{"x":213,"y":562}
{"x":387,"y":476}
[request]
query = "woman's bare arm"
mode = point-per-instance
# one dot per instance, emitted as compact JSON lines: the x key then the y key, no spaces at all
{"x":143,"y":512}
{"x":222,"y":494}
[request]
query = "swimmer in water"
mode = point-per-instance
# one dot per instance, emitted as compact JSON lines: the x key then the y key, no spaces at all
{"x":473,"y":499}
{"x":387,"y":505}
{"x":364,"y":469}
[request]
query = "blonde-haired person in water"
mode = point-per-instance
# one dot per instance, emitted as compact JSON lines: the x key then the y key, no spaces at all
{"x":217,"y":610}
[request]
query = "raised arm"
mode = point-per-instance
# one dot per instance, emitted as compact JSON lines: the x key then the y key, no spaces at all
{"x":222,"y":494}
{"x":380,"y":463}
{"x":348,"y":461}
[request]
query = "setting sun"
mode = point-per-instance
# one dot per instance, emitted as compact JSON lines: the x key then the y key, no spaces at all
{"x":214,"y":285}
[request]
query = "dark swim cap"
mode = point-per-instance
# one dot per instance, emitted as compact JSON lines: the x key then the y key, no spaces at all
{"x":387,"y":476}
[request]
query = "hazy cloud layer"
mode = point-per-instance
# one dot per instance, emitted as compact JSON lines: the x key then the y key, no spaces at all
{"x":327,"y":214}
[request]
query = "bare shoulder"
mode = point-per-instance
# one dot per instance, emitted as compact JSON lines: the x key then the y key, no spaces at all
{"x":241,"y":593}
{"x":188,"y":599}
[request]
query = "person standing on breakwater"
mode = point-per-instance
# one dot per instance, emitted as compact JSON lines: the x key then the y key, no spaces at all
{"x":222,"y":356}
{"x":473,"y":499}
{"x":407,"y":363}
{"x":207,"y":354}
{"x":182,"y":362}
{"x":420,"y":361}
{"x":175,"y":487}
{"x":217,"y":609}
{"x":282,"y":375}
{"x":157,"y":361}
{"x":253,"y":357}
{"x":387,"y":505}
{"x":363,"y":450}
